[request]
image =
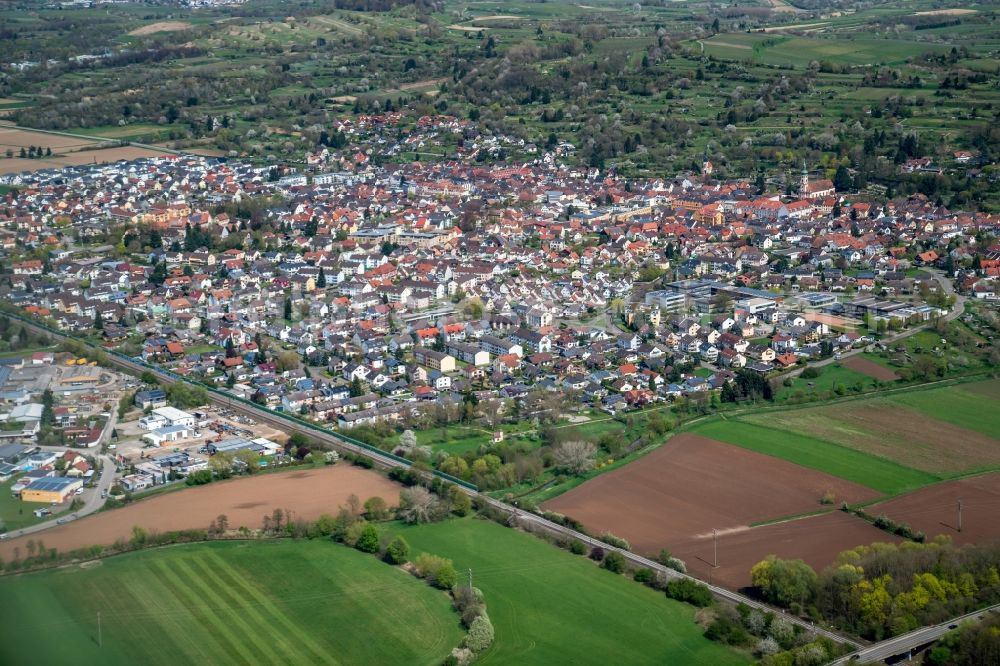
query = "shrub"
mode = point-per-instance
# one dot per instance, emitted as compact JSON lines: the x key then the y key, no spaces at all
{"x":882,"y":522}
{"x":618,"y":542}
{"x":810,"y":373}
{"x":398,"y":551}
{"x":439,"y":571}
{"x":469,"y":602}
{"x":693,"y":592}
{"x":446,"y":577}
{"x":352,"y":533}
{"x":726,"y":630}
{"x":368,"y":540}
{"x":644,"y":576}
{"x":376,"y":508}
{"x":577,"y":547}
{"x":903,"y":530}
{"x":480,"y":635}
{"x":199,"y":478}
{"x":828,"y":498}
{"x":363,"y":461}
{"x":597,"y":553}
{"x":614,"y":562}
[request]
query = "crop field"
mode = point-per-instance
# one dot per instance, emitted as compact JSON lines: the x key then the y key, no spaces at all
{"x":227,"y":603}
{"x":800,"y":51}
{"x":838,"y":460}
{"x":934,"y":510}
{"x":975,"y":406}
{"x":306,"y":493}
{"x":870,"y":368}
{"x":549,"y":607}
{"x":815,"y":539}
{"x":66,"y":151}
{"x":906,"y":428}
{"x":691,"y":485}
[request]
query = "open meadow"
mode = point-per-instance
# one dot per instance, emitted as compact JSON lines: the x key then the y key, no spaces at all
{"x":549,"y":606}
{"x":276,"y":603}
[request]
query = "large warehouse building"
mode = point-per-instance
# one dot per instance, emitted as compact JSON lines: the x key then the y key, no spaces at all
{"x":51,"y":489}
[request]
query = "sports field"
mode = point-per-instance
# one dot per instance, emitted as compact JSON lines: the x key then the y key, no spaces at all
{"x":303,"y":602}
{"x":551,"y":607}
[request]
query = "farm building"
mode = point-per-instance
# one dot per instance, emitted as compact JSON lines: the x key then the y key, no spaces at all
{"x":50,"y":489}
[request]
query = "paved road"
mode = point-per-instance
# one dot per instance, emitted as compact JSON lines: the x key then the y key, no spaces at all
{"x":956,"y":311}
{"x":903,"y":645}
{"x":92,"y":500}
{"x":384,"y":461}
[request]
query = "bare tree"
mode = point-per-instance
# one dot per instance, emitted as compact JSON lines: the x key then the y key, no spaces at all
{"x":408,"y":440}
{"x":490,"y":409}
{"x":575,"y":456}
{"x":417,"y":505}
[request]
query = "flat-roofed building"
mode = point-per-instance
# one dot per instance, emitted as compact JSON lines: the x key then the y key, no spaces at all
{"x":51,"y":489}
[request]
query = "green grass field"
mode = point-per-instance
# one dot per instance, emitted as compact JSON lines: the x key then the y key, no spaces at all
{"x":830,"y":376}
{"x":974,"y":406}
{"x":303,"y":602}
{"x":551,"y":607}
{"x":15,"y":514}
{"x":777,"y":49}
{"x":876,"y":473}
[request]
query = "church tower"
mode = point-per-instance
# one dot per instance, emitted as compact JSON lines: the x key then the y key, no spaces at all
{"x":804,"y":182}
{"x":706,"y":164}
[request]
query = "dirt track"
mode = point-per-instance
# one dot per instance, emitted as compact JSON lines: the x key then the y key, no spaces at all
{"x":870,"y":368}
{"x":934,"y":510}
{"x":693,"y":484}
{"x":307,"y":493}
{"x":817,"y":540}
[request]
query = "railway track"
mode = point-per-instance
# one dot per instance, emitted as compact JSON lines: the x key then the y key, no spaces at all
{"x":526,"y":519}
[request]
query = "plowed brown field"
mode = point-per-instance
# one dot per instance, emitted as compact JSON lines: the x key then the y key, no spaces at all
{"x":306,"y":493}
{"x":693,"y":484}
{"x":870,"y":368}
{"x":817,"y":540}
{"x":934,"y":510}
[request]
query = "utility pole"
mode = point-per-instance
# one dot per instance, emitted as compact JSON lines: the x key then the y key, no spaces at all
{"x":470,"y":578}
{"x":959,"y":515}
{"x":715,"y":547}
{"x":100,"y":641}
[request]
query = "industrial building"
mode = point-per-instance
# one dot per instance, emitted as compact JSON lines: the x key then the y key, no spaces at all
{"x":168,"y":434}
{"x":166,"y":417}
{"x":51,"y":489}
